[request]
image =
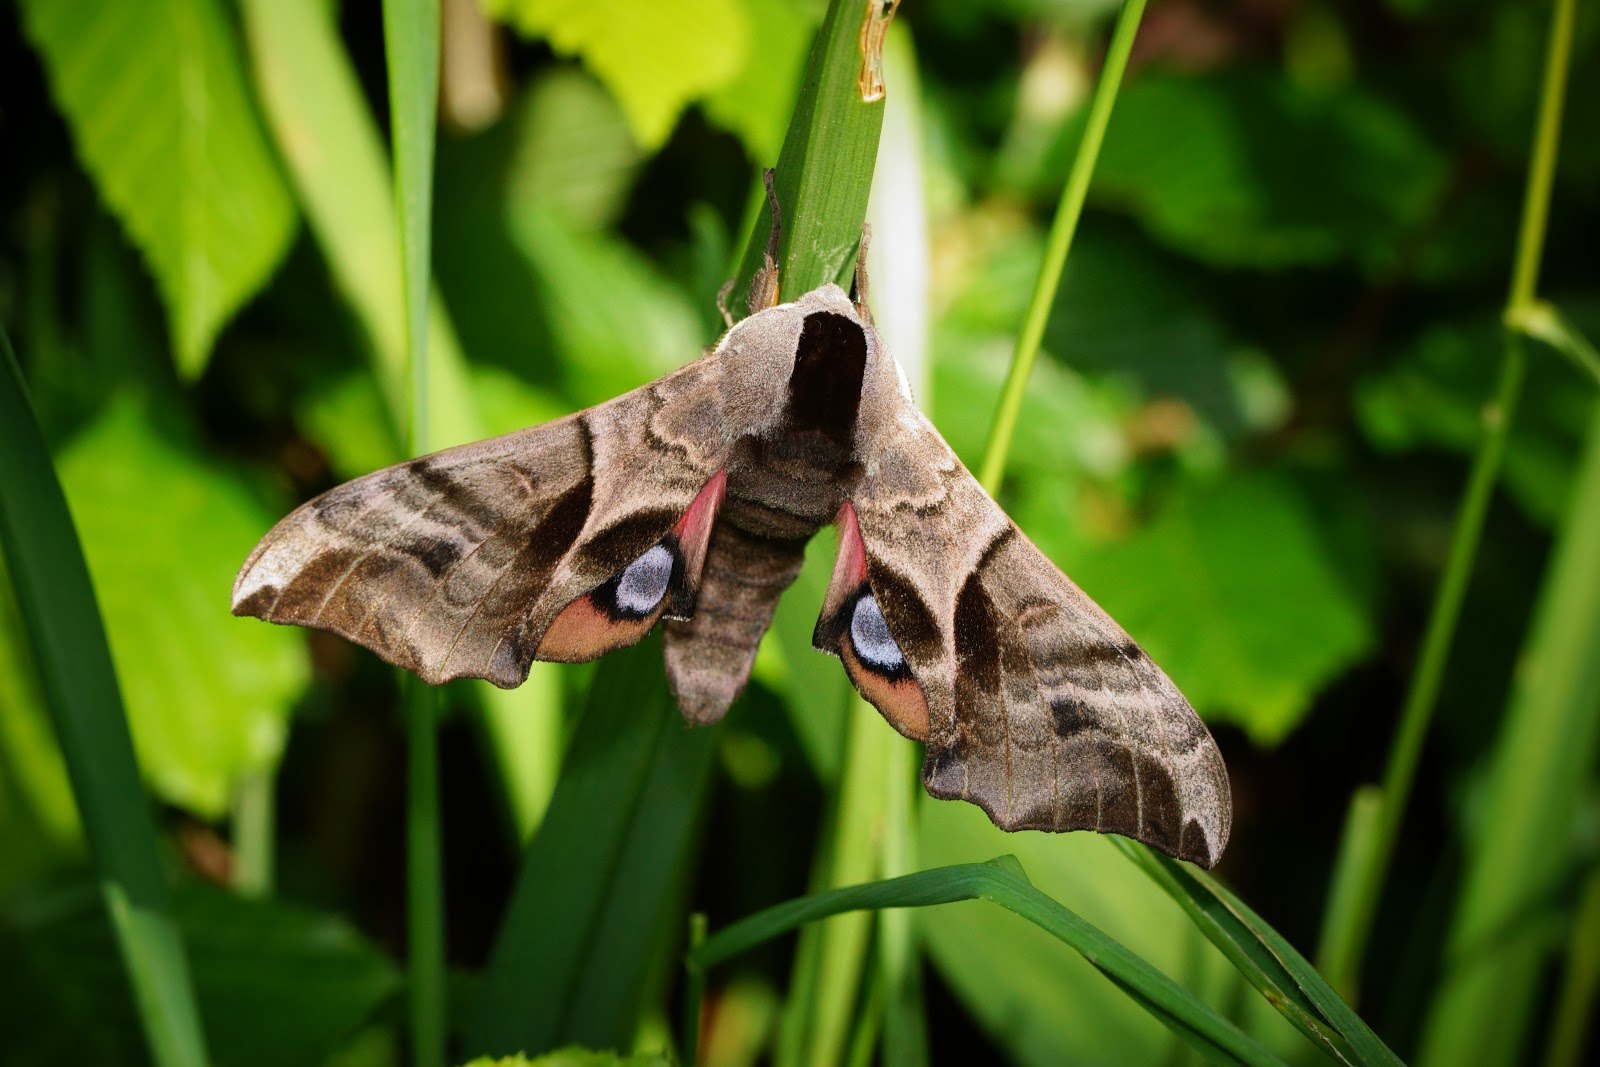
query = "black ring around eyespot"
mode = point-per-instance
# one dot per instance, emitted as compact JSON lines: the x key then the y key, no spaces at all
{"x":845,"y":627}
{"x":604,"y":595}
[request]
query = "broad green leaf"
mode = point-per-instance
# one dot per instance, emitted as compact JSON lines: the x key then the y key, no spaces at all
{"x":164,"y":531}
{"x":1069,"y":427}
{"x":1242,"y":594}
{"x":1240,"y":168}
{"x":276,"y":984}
{"x":1129,"y":312}
{"x":656,"y":56}
{"x":1432,"y":396}
{"x":573,"y":155}
{"x":582,"y":278}
{"x":1127,"y":315}
{"x":160,"y":112}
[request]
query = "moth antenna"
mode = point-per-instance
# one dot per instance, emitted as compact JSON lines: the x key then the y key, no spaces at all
{"x":861,"y":274}
{"x":722,"y":302}
{"x":764,"y":286}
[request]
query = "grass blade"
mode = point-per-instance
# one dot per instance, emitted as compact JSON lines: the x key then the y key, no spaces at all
{"x":824,"y":172}
{"x":1001,"y":881}
{"x":1351,"y":871}
{"x":1516,"y":864}
{"x":599,"y":880}
{"x":1543,"y":321}
{"x":1423,"y":695}
{"x":1574,"y":1012}
{"x":1268,"y":962}
{"x":1059,"y":243}
{"x":69,"y":644}
{"x":411,"y":39}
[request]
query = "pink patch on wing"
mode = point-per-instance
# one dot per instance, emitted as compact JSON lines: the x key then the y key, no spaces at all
{"x":694,"y":529}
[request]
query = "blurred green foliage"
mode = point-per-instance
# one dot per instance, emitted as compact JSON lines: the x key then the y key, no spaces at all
{"x":1265,"y":372}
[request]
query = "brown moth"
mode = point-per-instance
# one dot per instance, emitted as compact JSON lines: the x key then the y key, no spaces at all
{"x":691,"y":499}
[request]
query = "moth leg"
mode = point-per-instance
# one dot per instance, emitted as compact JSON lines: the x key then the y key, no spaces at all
{"x":764,"y":286}
{"x":722,"y":302}
{"x":861,"y":275}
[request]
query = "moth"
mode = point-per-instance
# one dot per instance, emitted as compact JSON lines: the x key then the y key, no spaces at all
{"x":688,"y":503}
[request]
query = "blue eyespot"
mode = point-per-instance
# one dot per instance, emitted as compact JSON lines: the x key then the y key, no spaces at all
{"x":869,"y":634}
{"x":644,"y":581}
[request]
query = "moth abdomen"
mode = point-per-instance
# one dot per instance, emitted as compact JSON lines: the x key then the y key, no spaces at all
{"x":709,"y":655}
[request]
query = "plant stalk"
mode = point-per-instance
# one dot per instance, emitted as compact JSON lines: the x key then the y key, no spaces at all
{"x":1062,"y":230}
{"x":1343,"y":960}
{"x":411,"y":39}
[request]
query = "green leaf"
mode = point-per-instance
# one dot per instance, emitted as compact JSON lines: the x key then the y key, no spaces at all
{"x":1002,"y":881}
{"x":277,"y":984}
{"x":1068,"y":427}
{"x":1044,"y":1006}
{"x":1245,"y":169}
{"x":1274,"y":967}
{"x":164,"y":532}
{"x":53,"y":589}
{"x":1517,"y":863}
{"x":656,"y":56}
{"x":34,"y":789}
{"x":601,"y":879}
{"x":157,"y":102}
{"x":1236,"y":590}
{"x":337,"y":161}
{"x":1432,"y":396}
{"x":574,"y":155}
{"x":582,"y":278}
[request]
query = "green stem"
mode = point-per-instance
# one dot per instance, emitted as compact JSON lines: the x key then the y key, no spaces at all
{"x":694,"y":994}
{"x":1575,"y":1004}
{"x":411,"y":40}
{"x":424,"y":877}
{"x":1423,"y":695}
{"x":252,"y":834}
{"x":1059,"y":244}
